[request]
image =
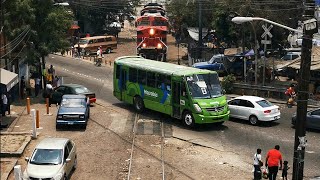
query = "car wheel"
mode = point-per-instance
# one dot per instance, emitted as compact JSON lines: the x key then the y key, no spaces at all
{"x":188,"y":119}
{"x":253,"y":120}
{"x":138,"y":104}
{"x":108,"y":51}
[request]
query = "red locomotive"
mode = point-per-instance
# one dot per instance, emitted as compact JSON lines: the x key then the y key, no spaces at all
{"x":152,"y":29}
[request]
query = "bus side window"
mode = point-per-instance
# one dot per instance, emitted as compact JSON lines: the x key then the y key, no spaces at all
{"x":142,"y":77}
{"x":109,"y":39}
{"x":151,"y":81}
{"x":133,"y":75}
{"x":183,"y":89}
{"x":118,"y":71}
{"x":168,"y":83}
{"x":159,"y":80}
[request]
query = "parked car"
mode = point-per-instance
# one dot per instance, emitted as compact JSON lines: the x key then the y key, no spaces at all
{"x":73,"y":110}
{"x":291,"y":56}
{"x":254,"y":109}
{"x":71,"y":89}
{"x":313,"y":119}
{"x":52,"y":158}
{"x":214,"y":64}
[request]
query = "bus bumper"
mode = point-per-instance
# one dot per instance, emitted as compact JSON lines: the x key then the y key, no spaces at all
{"x":202,"y":119}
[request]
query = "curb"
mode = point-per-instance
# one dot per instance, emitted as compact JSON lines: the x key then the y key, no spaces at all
{"x":13,"y":162}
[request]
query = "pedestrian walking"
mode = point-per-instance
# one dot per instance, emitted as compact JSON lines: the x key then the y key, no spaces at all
{"x":22,"y":87}
{"x":37,"y":86}
{"x":285,"y":170}
{"x":4,"y":100}
{"x":273,"y":160}
{"x":257,"y":164}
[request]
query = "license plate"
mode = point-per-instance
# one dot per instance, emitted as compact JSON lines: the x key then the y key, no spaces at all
{"x":70,"y":123}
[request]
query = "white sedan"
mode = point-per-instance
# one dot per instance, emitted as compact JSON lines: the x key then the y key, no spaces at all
{"x":254,"y":109}
{"x":53,"y":158}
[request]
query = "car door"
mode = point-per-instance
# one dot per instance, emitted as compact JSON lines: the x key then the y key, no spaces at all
{"x":58,"y":93}
{"x":248,"y":109}
{"x":313,"y":120}
{"x":234,"y":106}
{"x":66,"y":164}
{"x":72,"y":156}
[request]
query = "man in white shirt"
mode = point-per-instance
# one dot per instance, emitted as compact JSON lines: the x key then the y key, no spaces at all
{"x":257,"y":163}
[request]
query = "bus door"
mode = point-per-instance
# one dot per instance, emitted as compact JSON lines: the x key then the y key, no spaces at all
{"x":122,"y":86}
{"x":176,"y":88}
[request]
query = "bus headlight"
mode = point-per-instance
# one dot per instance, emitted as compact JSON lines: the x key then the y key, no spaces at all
{"x":159,"y":46}
{"x":197,"y":108}
{"x":144,"y":45}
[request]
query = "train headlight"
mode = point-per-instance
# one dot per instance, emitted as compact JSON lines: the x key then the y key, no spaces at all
{"x":159,"y":46}
{"x":144,"y":45}
{"x":151,"y":32}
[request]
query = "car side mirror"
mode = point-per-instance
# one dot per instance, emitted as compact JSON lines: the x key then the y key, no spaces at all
{"x":27,"y":159}
{"x":68,"y":160}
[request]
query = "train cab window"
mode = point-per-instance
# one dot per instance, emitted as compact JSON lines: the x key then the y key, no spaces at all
{"x":144,"y":22}
{"x":133,"y":75}
{"x":151,"y":79}
{"x":142,"y":77}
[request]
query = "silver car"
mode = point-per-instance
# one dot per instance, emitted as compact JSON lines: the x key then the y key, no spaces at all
{"x":52,"y":159}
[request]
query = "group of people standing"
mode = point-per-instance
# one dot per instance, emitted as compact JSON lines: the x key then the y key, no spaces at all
{"x":273,"y":163}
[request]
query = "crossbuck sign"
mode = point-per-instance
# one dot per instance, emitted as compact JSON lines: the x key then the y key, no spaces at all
{"x":266,"y":34}
{"x":267,"y":31}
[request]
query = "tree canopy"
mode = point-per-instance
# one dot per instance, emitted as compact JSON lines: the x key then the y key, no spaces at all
{"x":218,"y":14}
{"x":35,"y":26}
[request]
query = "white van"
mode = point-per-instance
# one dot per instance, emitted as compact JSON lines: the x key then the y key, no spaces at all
{"x":291,"y":56}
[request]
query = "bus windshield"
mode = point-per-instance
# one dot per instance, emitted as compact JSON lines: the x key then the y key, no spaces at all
{"x":204,"y":86}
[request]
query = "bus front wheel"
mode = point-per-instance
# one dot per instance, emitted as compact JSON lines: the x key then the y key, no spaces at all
{"x":188,"y":119}
{"x":138,"y":104}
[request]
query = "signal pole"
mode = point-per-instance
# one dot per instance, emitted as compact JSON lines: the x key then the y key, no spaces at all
{"x":200,"y":29}
{"x":310,"y":27}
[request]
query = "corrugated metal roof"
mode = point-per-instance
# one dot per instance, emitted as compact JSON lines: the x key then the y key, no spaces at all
{"x":162,"y":67}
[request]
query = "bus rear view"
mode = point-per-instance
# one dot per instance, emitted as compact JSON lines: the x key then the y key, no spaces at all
{"x":190,"y":94}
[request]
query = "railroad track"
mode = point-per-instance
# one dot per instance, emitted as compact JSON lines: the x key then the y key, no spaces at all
{"x":141,"y":164}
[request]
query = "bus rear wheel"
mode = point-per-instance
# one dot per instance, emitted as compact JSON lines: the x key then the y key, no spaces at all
{"x":138,"y":104}
{"x":188,"y":119}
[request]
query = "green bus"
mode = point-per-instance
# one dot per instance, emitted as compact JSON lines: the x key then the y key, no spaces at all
{"x":191,"y":94}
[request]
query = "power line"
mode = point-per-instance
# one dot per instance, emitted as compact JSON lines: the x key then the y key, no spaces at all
{"x":15,"y":45}
{"x":16,"y":39}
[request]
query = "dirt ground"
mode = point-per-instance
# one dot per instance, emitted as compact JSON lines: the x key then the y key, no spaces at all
{"x":105,"y":152}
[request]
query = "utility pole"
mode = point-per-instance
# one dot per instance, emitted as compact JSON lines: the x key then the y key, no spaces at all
{"x":310,"y":27}
{"x":200,"y":29}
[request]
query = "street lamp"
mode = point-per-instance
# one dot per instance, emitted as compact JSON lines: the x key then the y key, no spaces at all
{"x":240,"y":20}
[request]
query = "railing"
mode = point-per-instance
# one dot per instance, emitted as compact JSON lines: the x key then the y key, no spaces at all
{"x":264,"y":91}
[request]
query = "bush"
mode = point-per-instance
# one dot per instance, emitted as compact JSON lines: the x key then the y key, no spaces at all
{"x":227,"y":83}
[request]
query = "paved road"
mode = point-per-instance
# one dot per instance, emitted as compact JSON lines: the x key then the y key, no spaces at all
{"x":234,"y":136}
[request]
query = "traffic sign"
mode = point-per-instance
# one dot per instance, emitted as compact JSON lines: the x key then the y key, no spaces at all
{"x":265,"y":41}
{"x":266,"y":31}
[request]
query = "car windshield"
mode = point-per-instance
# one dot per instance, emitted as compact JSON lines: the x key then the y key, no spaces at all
{"x":204,"y":86}
{"x":83,"y":41}
{"x":47,"y":157}
{"x":81,"y":90}
{"x":264,"y":103}
{"x":73,"y":102}
{"x":215,"y":59}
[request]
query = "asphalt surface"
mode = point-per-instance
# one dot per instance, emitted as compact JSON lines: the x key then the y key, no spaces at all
{"x":235,"y":135}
